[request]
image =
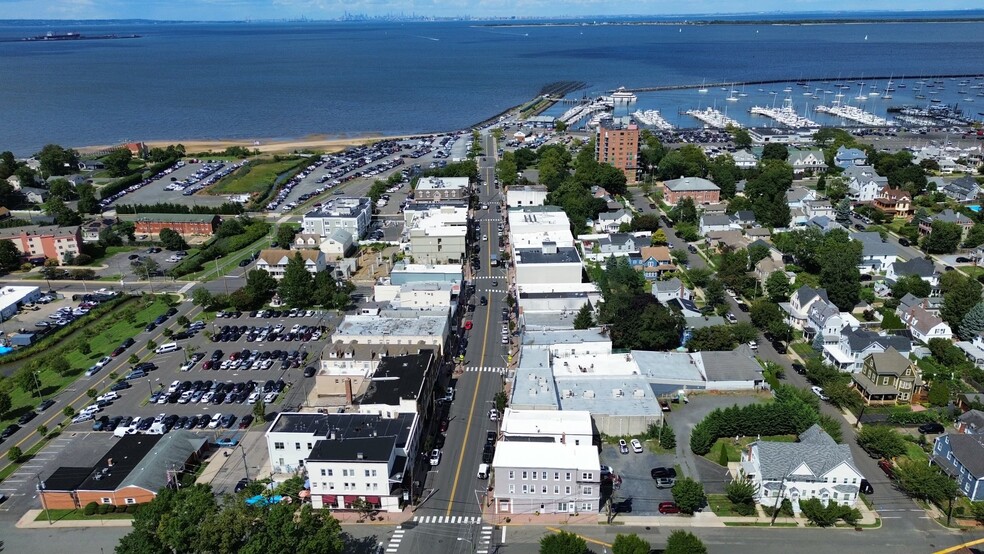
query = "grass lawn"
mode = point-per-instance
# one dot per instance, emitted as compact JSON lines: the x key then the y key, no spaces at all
{"x":76,"y":515}
{"x":258,"y":178}
{"x":890,"y":320}
{"x":115,"y":329}
{"x":734,"y":450}
{"x":804,"y":350}
{"x":914,"y":452}
{"x":721,"y":506}
{"x":230,"y":262}
{"x":974,"y":271}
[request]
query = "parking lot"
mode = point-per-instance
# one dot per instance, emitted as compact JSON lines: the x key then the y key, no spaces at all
{"x":155,"y":192}
{"x":205,"y":379}
{"x":638,"y":489}
{"x":123,"y":263}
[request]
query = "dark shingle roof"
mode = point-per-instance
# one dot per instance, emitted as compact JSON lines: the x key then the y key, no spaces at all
{"x":816,"y":449}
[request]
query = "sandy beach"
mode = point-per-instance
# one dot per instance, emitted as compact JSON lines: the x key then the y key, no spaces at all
{"x":323,"y":143}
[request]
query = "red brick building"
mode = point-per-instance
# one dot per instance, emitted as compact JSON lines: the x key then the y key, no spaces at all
{"x":130,"y":473}
{"x":700,"y":189}
{"x":50,"y":241}
{"x":619,"y":146}
{"x":185,"y":224}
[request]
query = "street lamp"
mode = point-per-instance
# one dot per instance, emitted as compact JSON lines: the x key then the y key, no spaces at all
{"x":37,"y":383}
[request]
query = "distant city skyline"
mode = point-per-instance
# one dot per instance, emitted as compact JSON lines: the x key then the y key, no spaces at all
{"x":237,"y":10}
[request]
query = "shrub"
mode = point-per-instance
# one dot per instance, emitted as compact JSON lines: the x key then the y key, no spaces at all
{"x":90,"y":508}
{"x":723,"y":456}
{"x":744,"y":509}
{"x":105,"y":509}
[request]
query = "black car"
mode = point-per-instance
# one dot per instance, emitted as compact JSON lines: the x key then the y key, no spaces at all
{"x":488,"y":453}
{"x":150,"y":327}
{"x":45,"y":405}
{"x":742,"y":306}
{"x":963,"y":260}
{"x":931,"y":428}
{"x":624,"y":507}
{"x":779,"y":347}
{"x":490,"y":437}
{"x":484,"y":301}
{"x":146,"y":366}
{"x":241,"y":485}
{"x":903,"y":242}
{"x":10,"y":430}
{"x":160,"y":320}
{"x":663,"y":472}
{"x":244,"y":263}
{"x":799,"y":368}
{"x":170,"y":312}
{"x":28,"y":416}
{"x":866,"y":487}
{"x":246,"y":421}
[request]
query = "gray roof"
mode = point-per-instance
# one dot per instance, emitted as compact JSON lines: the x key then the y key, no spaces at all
{"x":612,"y":216}
{"x":864,"y":174}
{"x":733,"y":365}
{"x":714,"y":219}
{"x":861,"y":339}
{"x":844,"y":153}
{"x":173,"y":450}
{"x":564,"y":254}
{"x":815,"y":449}
{"x":806,"y":293}
{"x":340,"y":236}
{"x":969,"y":451}
{"x":797,"y":194}
{"x":686,"y":184}
{"x":916,"y":266}
{"x":889,"y":362}
{"x":974,"y":418}
{"x":673,"y":285}
{"x":746,"y":216}
{"x":619,"y":238}
{"x":873,"y":245}
{"x":951,"y":216}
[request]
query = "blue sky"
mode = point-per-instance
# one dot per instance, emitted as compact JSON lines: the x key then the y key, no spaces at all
{"x":326,"y":9}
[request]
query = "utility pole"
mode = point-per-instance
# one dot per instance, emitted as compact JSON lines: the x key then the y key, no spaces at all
{"x":41,"y":492}
{"x":242,"y":450}
{"x":37,"y":383}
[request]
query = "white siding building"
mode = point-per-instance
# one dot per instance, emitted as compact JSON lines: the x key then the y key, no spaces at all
{"x":349,"y":214}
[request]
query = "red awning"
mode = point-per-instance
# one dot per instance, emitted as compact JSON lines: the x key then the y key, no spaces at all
{"x":328,"y":498}
{"x":372,"y":499}
{"x":349,"y":499}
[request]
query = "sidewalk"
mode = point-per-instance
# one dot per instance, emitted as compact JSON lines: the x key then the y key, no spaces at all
{"x":27,"y":521}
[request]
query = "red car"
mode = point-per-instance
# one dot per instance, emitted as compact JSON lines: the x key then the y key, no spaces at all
{"x":668,"y":508}
{"x":886,"y":466}
{"x":444,"y":425}
{"x":468,"y":325}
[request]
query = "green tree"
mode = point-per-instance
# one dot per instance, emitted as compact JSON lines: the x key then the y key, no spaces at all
{"x":259,"y":410}
{"x":23,"y":378}
{"x":15,"y":454}
{"x":295,"y":287}
{"x":686,"y":161}
{"x":42,"y":430}
{"x":775,"y":151}
{"x":171,"y":240}
{"x":943,"y":238}
{"x":939,"y":394}
{"x":584,"y":318}
{"x":767,"y":192}
{"x":778,"y":287}
{"x":62,"y":214}
{"x":685,"y":212}
{"x":684,"y":542}
{"x":118,"y":162}
{"x":658,"y":238}
{"x":563,"y":543}
{"x":506,"y":170}
{"x":4,"y":403}
{"x":741,"y":491}
{"x":741,"y":137}
{"x":975,"y":237}
{"x":764,"y":313}
{"x":911,"y":284}
{"x":973,"y":322}
{"x":839,"y":257}
{"x":88,"y":203}
{"x":881,"y":441}
{"x":959,"y":300}
{"x":56,"y":160}
{"x":10,"y":256}
{"x":629,"y":544}
{"x":147,"y":268}
{"x":202,"y":297}
{"x":285,"y":235}
{"x":688,"y":495}
{"x":260,"y":284}
{"x":744,"y":332}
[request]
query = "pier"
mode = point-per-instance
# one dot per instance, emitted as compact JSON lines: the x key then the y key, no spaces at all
{"x":713,"y":118}
{"x":652,"y":118}
{"x":797,"y":80}
{"x":785,"y":115}
{"x":854,"y":114}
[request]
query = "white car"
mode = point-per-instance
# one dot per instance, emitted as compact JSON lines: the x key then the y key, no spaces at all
{"x":253,"y":397}
{"x":108,"y":397}
{"x":819,"y":392}
{"x":636,"y":446}
{"x":269,"y":398}
{"x":493,"y":414}
{"x":435,"y":457}
{"x":103,"y":362}
{"x":174,"y":386}
{"x":731,"y":318}
{"x":215,"y":421}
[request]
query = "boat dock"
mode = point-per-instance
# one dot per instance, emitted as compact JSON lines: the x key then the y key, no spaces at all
{"x":652,"y":118}
{"x":713,"y":118}
{"x":785,"y":115}
{"x":839,"y":78}
{"x":854,"y":114}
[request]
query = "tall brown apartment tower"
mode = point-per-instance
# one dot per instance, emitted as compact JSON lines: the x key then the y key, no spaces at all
{"x":618,"y":145}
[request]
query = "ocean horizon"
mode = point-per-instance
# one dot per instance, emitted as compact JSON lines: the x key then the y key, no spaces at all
{"x":271,"y":81}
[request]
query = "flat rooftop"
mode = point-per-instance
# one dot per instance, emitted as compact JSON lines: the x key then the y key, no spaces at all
{"x":595,"y":365}
{"x":562,"y":255}
{"x":527,"y":238}
{"x":342,"y":207}
{"x":668,"y":366}
{"x":550,"y":455}
{"x":618,"y":396}
{"x":546,"y":422}
{"x":356,"y":326}
{"x":404,"y":267}
{"x":442,"y":183}
{"x":347,"y":426}
{"x":549,"y":338}
{"x":398,"y":378}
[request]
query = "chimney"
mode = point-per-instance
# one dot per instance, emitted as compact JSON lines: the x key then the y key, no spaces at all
{"x":348,"y":391}
{"x":360,"y":456}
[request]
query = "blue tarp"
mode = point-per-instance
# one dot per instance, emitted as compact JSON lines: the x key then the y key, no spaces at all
{"x":261,"y":500}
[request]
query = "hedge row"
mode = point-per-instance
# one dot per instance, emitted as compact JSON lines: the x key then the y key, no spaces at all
{"x":218,"y":247}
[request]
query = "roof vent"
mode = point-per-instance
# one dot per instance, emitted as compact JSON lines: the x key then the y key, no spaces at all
{"x":360,"y":456}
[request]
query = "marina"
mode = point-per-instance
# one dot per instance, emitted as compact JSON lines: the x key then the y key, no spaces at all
{"x":785,"y":115}
{"x":855,"y":114}
{"x":713,"y":118}
{"x":652,"y":118}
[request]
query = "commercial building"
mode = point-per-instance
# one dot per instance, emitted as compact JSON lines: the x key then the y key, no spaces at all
{"x":438,"y":189}
{"x":186,"y":225}
{"x":274,"y":261}
{"x":404,"y":272}
{"x":415,"y":296}
{"x":548,"y":264}
{"x":347,"y":457}
{"x":526,"y":195}
{"x":439,"y":236}
{"x":13,"y":297}
{"x":618,"y":146}
{"x":699,"y":189}
{"x":349,"y":214}
{"x":345,"y":370}
{"x":50,"y":241}
{"x":130,"y":473}
{"x":400,"y":328}
{"x":401,"y":385}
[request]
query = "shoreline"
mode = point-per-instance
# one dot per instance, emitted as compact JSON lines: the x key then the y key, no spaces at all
{"x":326,"y":143}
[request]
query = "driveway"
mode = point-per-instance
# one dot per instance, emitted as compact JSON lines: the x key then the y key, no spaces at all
{"x":637,"y":486}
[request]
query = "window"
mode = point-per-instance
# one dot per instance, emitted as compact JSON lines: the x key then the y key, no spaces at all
{"x":297,"y":446}
{"x":556,"y":476}
{"x":512,"y":489}
{"x":131,"y":501}
{"x":278,"y":446}
{"x":586,"y":476}
{"x":309,"y":446}
{"x":372,"y":473}
{"x":512,"y":474}
{"x":526,"y":489}
{"x":567,"y":490}
{"x":534,"y":476}
{"x":331,"y":485}
{"x":324,"y":473}
{"x":107,"y":500}
{"x":524,"y":475}
{"x":586,"y":490}
{"x":367,"y":473}
{"x":543,"y":476}
{"x":568,"y":476}
{"x":544,"y":490}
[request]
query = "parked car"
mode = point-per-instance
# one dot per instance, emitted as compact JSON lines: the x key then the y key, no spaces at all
{"x":435,"y":457}
{"x":636,"y":446}
{"x":931,"y":428}
{"x":665,"y":483}
{"x":663,"y":472}
{"x":886,"y":466}
{"x":866,"y":487}
{"x":668,"y":508}
{"x":819,"y":392}
{"x":622,"y":446}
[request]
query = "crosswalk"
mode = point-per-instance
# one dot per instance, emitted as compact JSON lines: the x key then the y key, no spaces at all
{"x":489,"y":277}
{"x":466,"y":520}
{"x":395,"y":540}
{"x":484,"y":369}
{"x":484,"y":540}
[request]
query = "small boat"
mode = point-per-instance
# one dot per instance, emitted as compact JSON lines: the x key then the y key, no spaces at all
{"x":935,"y":100}
{"x":702,"y":89}
{"x":920,"y":97}
{"x":788,"y":89}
